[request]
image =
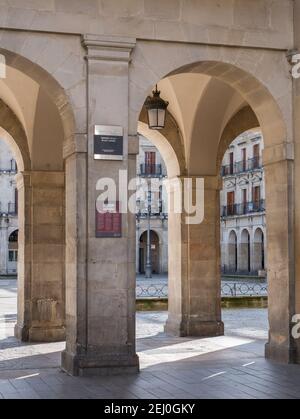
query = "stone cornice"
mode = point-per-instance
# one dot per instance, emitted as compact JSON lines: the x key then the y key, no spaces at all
{"x":210,"y":182}
{"x":108,"y":48}
{"x":75,"y":145}
{"x":41,"y":178}
{"x":278,"y":153}
{"x":133,"y":145}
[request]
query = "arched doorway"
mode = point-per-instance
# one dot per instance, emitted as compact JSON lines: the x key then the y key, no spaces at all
{"x":155,"y":252}
{"x":13,"y":251}
{"x":232,"y":253}
{"x":205,"y":131}
{"x":37,"y":143}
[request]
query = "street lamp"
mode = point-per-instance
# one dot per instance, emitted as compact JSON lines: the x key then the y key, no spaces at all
{"x":156,"y":110}
{"x":149,"y":261}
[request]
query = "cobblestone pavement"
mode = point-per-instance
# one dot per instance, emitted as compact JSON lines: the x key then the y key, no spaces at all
{"x":227,"y":367}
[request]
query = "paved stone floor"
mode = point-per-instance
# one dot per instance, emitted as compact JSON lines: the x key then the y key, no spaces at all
{"x":227,"y":367}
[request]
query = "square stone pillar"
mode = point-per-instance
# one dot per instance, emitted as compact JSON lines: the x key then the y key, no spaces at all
{"x":100,"y":271}
{"x":41,"y":273}
{"x":195,"y":269}
{"x":3,"y":247}
{"x":279,"y":174}
{"x":296,"y":91}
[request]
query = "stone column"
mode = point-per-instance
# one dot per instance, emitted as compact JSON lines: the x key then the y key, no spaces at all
{"x":231,"y":257}
{"x":3,"y":246}
{"x":279,"y":167}
{"x":243,"y":253}
{"x":101,"y":271}
{"x":137,"y":250}
{"x":75,"y":154}
{"x":296,"y":92}
{"x":164,"y":249}
{"x":254,"y":254}
{"x":224,"y":255}
{"x":265,"y":250}
{"x":195,"y":269}
{"x":257,"y":248}
{"x":41,"y":277}
{"x":256,"y":258}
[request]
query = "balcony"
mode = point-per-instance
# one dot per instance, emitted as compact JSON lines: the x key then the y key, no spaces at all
{"x":244,"y":166}
{"x":9,"y":211}
{"x":248,"y":208}
{"x":143,"y":215}
{"x":151,"y":170}
{"x":8,"y":171}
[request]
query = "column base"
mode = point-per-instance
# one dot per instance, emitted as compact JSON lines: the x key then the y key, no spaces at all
{"x":281,"y":353}
{"x":40,"y":334}
{"x":194,"y":328}
{"x":21,"y":333}
{"x":88,"y":366}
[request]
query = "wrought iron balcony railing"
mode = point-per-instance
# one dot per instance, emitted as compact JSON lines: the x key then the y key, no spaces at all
{"x":141,"y":215}
{"x":243,"y":209}
{"x":10,"y":210}
{"x":151,"y":170}
{"x":242,"y":167}
{"x":230,"y":289}
{"x":8,"y":171}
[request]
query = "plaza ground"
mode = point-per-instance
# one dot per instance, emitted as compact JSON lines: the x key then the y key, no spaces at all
{"x":226,"y":367}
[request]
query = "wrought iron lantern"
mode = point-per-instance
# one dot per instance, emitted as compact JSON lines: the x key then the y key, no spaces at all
{"x":156,"y":109}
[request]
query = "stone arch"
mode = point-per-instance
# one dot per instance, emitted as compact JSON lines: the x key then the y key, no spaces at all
{"x":252,"y":89}
{"x":252,"y":96}
{"x":12,"y":132}
{"x":244,"y":235}
{"x":244,"y":120}
{"x":13,"y":236}
{"x":156,"y":243}
{"x":164,"y":148}
{"x":142,"y":232}
{"x":38,"y":100}
{"x":258,"y":235}
{"x":227,"y":65}
{"x":12,"y":230}
{"x":169,"y":143}
{"x":13,"y":248}
{"x":54,"y":90}
{"x":45,"y":135}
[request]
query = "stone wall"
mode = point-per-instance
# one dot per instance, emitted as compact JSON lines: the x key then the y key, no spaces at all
{"x":261,"y":23}
{"x":48,"y":73}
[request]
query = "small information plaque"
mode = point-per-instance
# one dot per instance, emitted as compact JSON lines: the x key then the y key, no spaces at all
{"x":108,"y":220}
{"x":108,"y":143}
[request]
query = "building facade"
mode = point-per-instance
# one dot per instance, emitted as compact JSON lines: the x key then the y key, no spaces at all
{"x":8,"y":212}
{"x":243,"y":217}
{"x":243,"y":220}
{"x":225,"y":68}
{"x":151,"y":171}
